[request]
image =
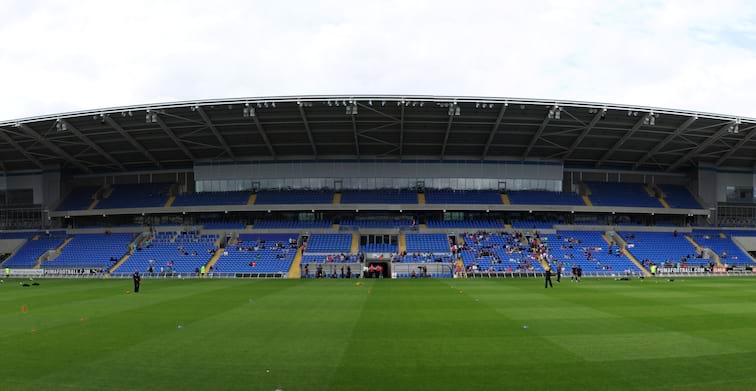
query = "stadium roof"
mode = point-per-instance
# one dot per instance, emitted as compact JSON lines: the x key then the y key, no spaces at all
{"x":175,"y":135}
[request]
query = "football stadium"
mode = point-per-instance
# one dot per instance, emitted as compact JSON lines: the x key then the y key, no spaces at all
{"x":378,"y":242}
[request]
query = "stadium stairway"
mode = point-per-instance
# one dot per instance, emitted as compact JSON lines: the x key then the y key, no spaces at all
{"x":44,"y":257}
{"x":120,"y":262}
{"x":524,"y":241}
{"x":649,"y":191}
{"x":65,"y":242}
{"x":295,"y":271}
{"x":694,"y":243}
{"x":586,"y":198}
{"x":336,"y":198}
{"x":508,"y":227}
{"x":129,"y":252}
{"x":402,"y":243}
{"x":620,"y":241}
{"x":544,"y":264}
{"x":637,"y":264}
{"x":214,"y":259}
{"x":714,"y":256}
{"x":505,"y":199}
{"x":421,"y":198}
{"x":653,"y":190}
{"x":251,"y":200}
{"x":703,"y":251}
{"x":355,"y":243}
{"x":170,"y":201}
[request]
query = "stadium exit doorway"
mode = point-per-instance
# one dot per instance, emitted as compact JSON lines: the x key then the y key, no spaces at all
{"x":386,"y":272}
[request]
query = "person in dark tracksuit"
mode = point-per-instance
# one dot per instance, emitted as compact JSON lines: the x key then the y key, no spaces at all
{"x":137,"y":281}
{"x":559,"y":272}
{"x":547,"y":275}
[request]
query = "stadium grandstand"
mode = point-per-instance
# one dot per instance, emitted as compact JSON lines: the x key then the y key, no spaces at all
{"x":462,"y":186}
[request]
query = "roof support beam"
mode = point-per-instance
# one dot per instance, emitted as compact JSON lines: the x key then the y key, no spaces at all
{"x":739,"y":145}
{"x":173,"y":137}
{"x":705,"y":144}
{"x":356,"y":141}
{"x":309,"y":132}
{"x":264,"y":136}
{"x":54,"y":148}
{"x":596,"y":118}
{"x":446,"y":135}
{"x":110,"y":121}
{"x":215,"y":131}
{"x":19,"y":148}
{"x":401,"y":132}
{"x":384,"y":142}
{"x":623,"y":139}
{"x":377,"y":128}
{"x":494,"y":130}
{"x":658,"y":147}
{"x":535,"y":138}
{"x":92,"y":145}
{"x":364,"y":106}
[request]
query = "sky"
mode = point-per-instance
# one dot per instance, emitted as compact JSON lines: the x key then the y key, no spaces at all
{"x":59,"y":56}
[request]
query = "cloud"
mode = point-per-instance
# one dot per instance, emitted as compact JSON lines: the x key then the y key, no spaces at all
{"x":58,"y":56}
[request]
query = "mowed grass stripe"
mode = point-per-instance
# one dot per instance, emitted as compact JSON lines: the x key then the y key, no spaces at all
{"x":427,"y":335}
{"x":141,"y":329}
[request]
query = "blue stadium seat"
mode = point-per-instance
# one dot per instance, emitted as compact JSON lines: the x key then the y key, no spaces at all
{"x":621,"y":194}
{"x":497,"y":253}
{"x":376,"y":223}
{"x":679,"y":197}
{"x":149,"y":195}
{"x":484,"y":224}
{"x":661,"y":247}
{"x":187,"y":251}
{"x":26,"y":257}
{"x":79,"y":198}
{"x":291,"y":224}
{"x":574,"y":248}
{"x":91,"y":251}
{"x":385,"y":196}
{"x":532,"y":197}
{"x":722,"y":246}
{"x":259,"y":253}
{"x":269,"y":197}
{"x":427,"y":243}
{"x":213,"y":198}
{"x":329,"y":243}
{"x":462,"y":197}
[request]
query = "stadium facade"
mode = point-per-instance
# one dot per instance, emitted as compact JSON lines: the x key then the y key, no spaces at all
{"x":367,"y":173}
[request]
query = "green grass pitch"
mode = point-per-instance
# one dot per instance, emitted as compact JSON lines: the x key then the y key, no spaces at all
{"x":690,"y":334}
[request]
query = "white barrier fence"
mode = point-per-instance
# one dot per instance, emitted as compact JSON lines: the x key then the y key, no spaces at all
{"x":437,"y":270}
